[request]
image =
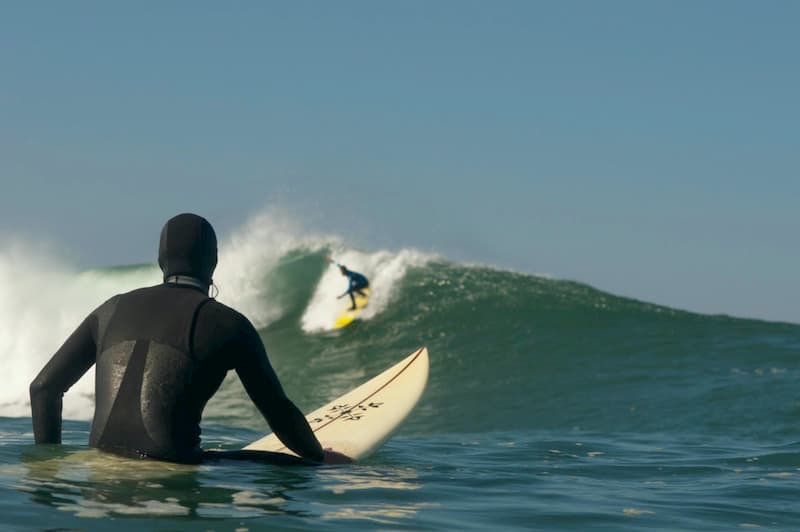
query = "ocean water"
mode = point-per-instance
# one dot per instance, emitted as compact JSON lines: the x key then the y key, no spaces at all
{"x":550,"y":406}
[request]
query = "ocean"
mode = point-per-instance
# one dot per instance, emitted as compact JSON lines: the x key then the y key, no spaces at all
{"x":551,"y":405}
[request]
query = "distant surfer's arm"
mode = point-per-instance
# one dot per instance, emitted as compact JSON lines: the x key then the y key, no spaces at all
{"x":264,"y":388}
{"x":350,"y":284}
{"x":63,"y":370}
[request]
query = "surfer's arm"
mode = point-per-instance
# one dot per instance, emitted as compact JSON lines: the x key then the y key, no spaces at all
{"x":264,"y":388}
{"x":349,"y":289}
{"x":330,"y":259}
{"x":350,"y":284}
{"x":63,"y":370}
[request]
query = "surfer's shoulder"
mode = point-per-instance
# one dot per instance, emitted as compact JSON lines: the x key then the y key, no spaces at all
{"x":108,"y":306}
{"x":222,"y":313}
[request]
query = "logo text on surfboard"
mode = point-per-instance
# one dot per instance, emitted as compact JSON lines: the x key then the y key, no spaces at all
{"x":346,"y":412}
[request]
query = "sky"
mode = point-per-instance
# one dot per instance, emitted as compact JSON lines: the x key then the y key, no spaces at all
{"x":650,"y":149}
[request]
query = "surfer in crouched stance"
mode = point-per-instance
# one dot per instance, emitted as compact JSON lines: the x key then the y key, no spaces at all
{"x":356,"y":284}
{"x":160,"y":353}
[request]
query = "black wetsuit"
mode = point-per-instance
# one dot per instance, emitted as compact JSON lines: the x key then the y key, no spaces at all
{"x":161,"y":353}
{"x":357,"y":283}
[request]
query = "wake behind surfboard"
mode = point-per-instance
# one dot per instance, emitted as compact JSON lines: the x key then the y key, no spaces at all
{"x":349,"y":316}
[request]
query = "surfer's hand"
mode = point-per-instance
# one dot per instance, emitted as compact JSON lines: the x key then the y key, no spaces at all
{"x":332,"y":457}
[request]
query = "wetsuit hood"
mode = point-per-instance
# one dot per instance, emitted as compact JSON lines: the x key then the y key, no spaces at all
{"x":188,"y":246}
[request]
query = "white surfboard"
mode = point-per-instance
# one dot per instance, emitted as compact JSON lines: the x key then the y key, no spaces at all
{"x":360,"y":421}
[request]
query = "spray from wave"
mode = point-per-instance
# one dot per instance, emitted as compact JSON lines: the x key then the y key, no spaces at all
{"x":45,"y":303}
{"x":384,"y":270}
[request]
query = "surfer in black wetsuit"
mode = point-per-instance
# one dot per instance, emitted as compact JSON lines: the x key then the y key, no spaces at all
{"x":356,"y":284}
{"x":161,"y":352}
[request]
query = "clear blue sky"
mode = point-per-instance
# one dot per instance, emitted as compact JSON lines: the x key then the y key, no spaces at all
{"x":650,"y":149}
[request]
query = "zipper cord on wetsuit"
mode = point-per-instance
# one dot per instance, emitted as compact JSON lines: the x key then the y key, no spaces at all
{"x":187,"y":280}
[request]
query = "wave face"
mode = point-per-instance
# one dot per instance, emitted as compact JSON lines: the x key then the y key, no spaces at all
{"x":509,"y":351}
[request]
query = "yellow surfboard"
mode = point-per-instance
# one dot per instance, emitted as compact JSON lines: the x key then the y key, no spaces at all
{"x":348,"y":316}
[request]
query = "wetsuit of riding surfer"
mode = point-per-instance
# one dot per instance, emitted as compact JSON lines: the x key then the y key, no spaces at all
{"x":357,"y":283}
{"x":160,"y":353}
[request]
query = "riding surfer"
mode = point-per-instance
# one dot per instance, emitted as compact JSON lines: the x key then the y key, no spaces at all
{"x":357,"y":282}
